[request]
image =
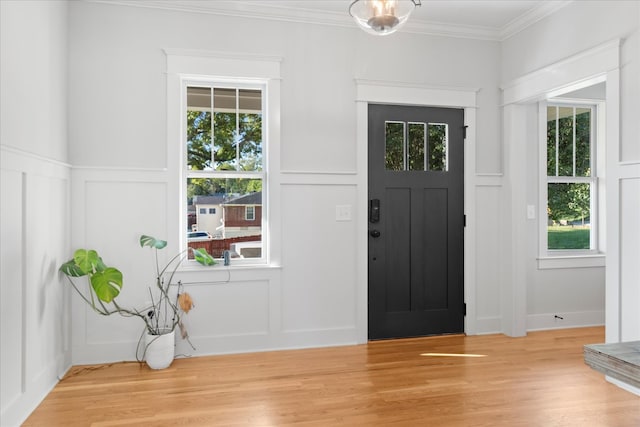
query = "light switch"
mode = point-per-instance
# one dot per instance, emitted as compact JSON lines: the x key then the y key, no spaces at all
{"x":531,"y":212}
{"x":343,"y":213}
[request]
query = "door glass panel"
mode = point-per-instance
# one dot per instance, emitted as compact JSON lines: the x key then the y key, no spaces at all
{"x":417,"y":143}
{"x":438,"y":146}
{"x":394,"y":146}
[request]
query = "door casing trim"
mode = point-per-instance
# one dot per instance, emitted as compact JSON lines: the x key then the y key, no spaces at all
{"x":380,"y":92}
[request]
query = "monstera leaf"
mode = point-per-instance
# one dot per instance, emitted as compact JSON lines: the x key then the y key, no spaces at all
{"x":152,"y":242}
{"x":202,"y":256}
{"x":107,"y":283}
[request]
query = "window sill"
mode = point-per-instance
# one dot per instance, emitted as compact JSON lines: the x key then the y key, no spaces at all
{"x":571,"y":261}
{"x":192,"y":273}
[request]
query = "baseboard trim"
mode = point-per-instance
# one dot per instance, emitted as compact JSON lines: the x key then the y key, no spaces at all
{"x":579,"y":319}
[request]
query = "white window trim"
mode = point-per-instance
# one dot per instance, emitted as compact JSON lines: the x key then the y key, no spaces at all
{"x":217,"y":82}
{"x":196,"y":65}
{"x":595,"y":257}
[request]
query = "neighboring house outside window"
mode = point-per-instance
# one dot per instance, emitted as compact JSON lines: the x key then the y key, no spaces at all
{"x":569,"y":188}
{"x":209,"y":218}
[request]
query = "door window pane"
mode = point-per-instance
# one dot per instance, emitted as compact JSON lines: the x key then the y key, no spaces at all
{"x":417,"y":143}
{"x":394,"y":146}
{"x":438,"y":137}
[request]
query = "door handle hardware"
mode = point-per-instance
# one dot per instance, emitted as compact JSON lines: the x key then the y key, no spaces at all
{"x":374,"y":233}
{"x":374,"y":210}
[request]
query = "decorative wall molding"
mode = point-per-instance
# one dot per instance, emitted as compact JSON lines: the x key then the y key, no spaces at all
{"x":306,"y":15}
{"x":319,"y":178}
{"x":530,"y":18}
{"x":576,"y":72}
{"x":375,"y":91}
{"x":16,"y":159}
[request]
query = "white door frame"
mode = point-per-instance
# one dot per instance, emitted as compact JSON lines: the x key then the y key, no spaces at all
{"x":394,"y":93}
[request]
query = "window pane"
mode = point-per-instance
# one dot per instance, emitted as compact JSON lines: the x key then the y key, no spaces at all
{"x":224,"y":128}
{"x":250,"y":130}
{"x":438,"y":145}
{"x":569,"y":215}
{"x":198,"y":128}
{"x":417,"y":142}
{"x":551,"y":140}
{"x":583,"y":142}
{"x":230,"y":227}
{"x":394,"y":143}
{"x":565,"y":141}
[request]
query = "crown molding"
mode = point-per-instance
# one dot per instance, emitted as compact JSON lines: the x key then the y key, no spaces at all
{"x":531,"y":17}
{"x":261,"y":10}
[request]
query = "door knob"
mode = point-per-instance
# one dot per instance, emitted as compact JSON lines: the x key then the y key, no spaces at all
{"x":374,"y":233}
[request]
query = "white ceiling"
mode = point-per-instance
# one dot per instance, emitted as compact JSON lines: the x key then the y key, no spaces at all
{"x":480,"y":19}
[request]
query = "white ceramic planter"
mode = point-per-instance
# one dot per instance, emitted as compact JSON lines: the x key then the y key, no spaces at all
{"x":160,"y":350}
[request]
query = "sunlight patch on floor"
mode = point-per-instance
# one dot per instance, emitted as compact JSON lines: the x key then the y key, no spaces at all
{"x":452,"y":355}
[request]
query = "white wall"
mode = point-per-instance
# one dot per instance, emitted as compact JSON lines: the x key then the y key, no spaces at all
{"x":117,"y":67}
{"x":581,"y":292}
{"x":116,"y":105}
{"x":35,"y":324}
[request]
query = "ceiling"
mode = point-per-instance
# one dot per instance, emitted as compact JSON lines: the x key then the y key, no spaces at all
{"x":478,"y":19}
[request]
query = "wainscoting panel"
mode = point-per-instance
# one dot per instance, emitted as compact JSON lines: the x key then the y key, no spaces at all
{"x":35,"y":339}
{"x":319,"y":259}
{"x":488,"y":229}
{"x":630,"y":257}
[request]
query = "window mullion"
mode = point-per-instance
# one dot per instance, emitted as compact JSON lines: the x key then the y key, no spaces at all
{"x":405,"y":145}
{"x":575,"y":125}
{"x":557,"y":139}
{"x":237,"y":129}
{"x":213,"y":134}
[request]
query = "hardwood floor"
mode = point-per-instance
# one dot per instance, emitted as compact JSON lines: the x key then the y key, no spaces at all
{"x":538,"y":380}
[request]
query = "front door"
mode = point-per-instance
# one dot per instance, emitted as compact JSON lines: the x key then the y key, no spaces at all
{"x":416,"y":221}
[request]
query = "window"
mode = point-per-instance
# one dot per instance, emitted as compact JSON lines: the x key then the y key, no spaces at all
{"x":570,"y":188}
{"x":250,"y":213}
{"x":224,"y":137}
{"x":203,"y":211}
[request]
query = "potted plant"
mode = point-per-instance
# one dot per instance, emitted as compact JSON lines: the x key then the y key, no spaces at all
{"x":165,"y":309}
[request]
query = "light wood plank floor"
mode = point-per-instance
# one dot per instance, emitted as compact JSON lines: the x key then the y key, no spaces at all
{"x":538,"y":380}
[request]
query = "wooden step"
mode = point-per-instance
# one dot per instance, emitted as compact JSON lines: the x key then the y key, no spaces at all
{"x":620,"y":360}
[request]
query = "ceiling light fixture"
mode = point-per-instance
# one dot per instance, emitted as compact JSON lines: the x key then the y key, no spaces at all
{"x":382,"y":17}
